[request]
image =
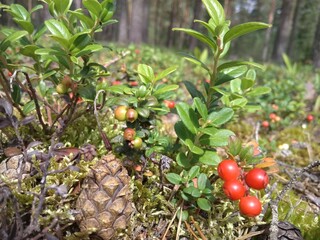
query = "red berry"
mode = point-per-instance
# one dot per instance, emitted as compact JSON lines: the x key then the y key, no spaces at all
{"x":136,"y":143}
{"x":67,"y":81}
{"x":120,"y":113}
{"x":234,"y":189}
{"x":133,"y":84}
{"x":228,"y":169}
{"x":310,"y":118}
{"x":265,"y":124}
{"x":250,"y":206}
{"x":272,"y":116}
{"x":117,"y":82}
{"x":129,"y":134}
{"x":9,"y":74}
{"x":257,"y":178}
{"x":169,"y":104}
{"x":131,"y":115}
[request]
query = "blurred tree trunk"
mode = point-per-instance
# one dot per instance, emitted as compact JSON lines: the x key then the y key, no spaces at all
{"x":228,"y":8}
{"x":267,"y":37}
{"x":123,"y":35}
{"x":316,"y":46}
{"x":173,"y":15}
{"x":294,"y":28}
{"x":197,"y":14}
{"x":138,"y":20}
{"x":284,"y":29}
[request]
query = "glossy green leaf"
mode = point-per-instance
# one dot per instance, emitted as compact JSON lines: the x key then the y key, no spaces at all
{"x":184,"y":215}
{"x":43,"y":88}
{"x":29,"y":107}
{"x":191,"y":190}
{"x":58,"y":29}
{"x":208,"y":26}
{"x":204,"y":204}
{"x":12,"y":38}
{"x":243,"y":29}
{"x":29,"y":50}
{"x":215,"y":11}
{"x":79,"y":41}
{"x":182,"y":131}
{"x":235,"y":146}
{"x":195,"y":60}
{"x":221,"y":117}
{"x":164,"y":89}
{"x":85,"y":20}
{"x":145,"y":73}
{"x":188,"y":116}
{"x":246,"y":83}
{"x":232,"y":64}
{"x":183,"y":161}
{"x":87,"y":92}
{"x":89,"y":49}
{"x":202,"y":181}
{"x":16,"y":93}
{"x":230,"y":74}
{"x":26,"y":25}
{"x":193,"y":148}
{"x":193,"y":172}
{"x":174,"y":178}
{"x":36,"y":8}
{"x":93,"y":6}
{"x":201,"y":108}
{"x":235,"y":86}
{"x":219,"y":139}
{"x":62,"y":6}
{"x":210,"y":158}
{"x":201,"y":37}
{"x":194,"y":92}
{"x":239,"y":102}
{"x":143,"y":112}
{"x":19,"y":12}
{"x":259,"y":91}
{"x":165,"y":73}
{"x":251,"y":74}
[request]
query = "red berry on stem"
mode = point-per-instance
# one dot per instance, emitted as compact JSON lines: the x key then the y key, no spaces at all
{"x":234,"y":189}
{"x":250,"y":206}
{"x":265,"y":124}
{"x":228,"y":169}
{"x":169,"y":104}
{"x":129,"y":134}
{"x":310,"y":118}
{"x":257,"y":178}
{"x":131,"y":115}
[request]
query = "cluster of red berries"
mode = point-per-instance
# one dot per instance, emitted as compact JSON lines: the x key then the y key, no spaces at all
{"x":237,"y":183}
{"x":123,"y":113}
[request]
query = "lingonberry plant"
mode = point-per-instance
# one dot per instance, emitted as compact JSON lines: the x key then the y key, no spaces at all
{"x":201,"y":129}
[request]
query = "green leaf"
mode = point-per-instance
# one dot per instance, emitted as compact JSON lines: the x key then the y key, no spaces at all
{"x":195,"y":60}
{"x":194,"y":92}
{"x":26,"y":25}
{"x":164,"y":89}
{"x":193,"y":148}
{"x":230,"y":74}
{"x":183,"y":161}
{"x":221,"y":117}
{"x":201,"y":108}
{"x":93,"y":6}
{"x":16,"y":93}
{"x":58,"y":29}
{"x":43,"y":88}
{"x":87,"y":92}
{"x":174,"y":178}
{"x":239,"y":102}
{"x":215,"y":11}
{"x":12,"y":38}
{"x":204,"y":204}
{"x":208,"y":26}
{"x":185,"y":215}
{"x":79,"y":41}
{"x":19,"y":12}
{"x":29,"y":50}
{"x":191,"y":190}
{"x":29,"y":107}
{"x":219,"y":139}
{"x":89,"y":49}
{"x":193,"y":172}
{"x":36,"y":8}
{"x":235,"y":146}
{"x":243,"y":29}
{"x":62,"y":6}
{"x":210,"y":158}
{"x":188,"y":117}
{"x":259,"y":91}
{"x":201,"y":37}
{"x":251,"y":74}
{"x":235,"y":86}
{"x":202,"y":181}
{"x":182,"y":131}
{"x":145,"y":73}
{"x":246,"y":83}
{"x":85,"y":20}
{"x":232,"y":64}
{"x":143,"y":112}
{"x":119,"y":89}
{"x":165,"y":73}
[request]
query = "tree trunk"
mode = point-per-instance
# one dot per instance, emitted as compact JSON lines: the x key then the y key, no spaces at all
{"x":173,"y":15}
{"x":197,"y":14}
{"x":137,"y":21}
{"x":123,"y":36}
{"x":316,"y":46}
{"x":228,"y":8}
{"x":284,"y":30}
{"x":267,"y":37}
{"x":295,"y":21}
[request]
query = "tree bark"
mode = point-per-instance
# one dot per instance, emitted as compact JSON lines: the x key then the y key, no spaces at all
{"x":123,"y":35}
{"x":284,"y":29}
{"x":268,"y":31}
{"x":316,"y":46}
{"x":197,"y":14}
{"x":137,"y":21}
{"x":228,"y":8}
{"x":294,"y":28}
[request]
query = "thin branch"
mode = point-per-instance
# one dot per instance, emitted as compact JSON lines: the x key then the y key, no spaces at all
{"x":116,"y":59}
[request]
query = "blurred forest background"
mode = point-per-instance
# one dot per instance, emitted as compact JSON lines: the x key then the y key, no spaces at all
{"x":295,"y":31}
